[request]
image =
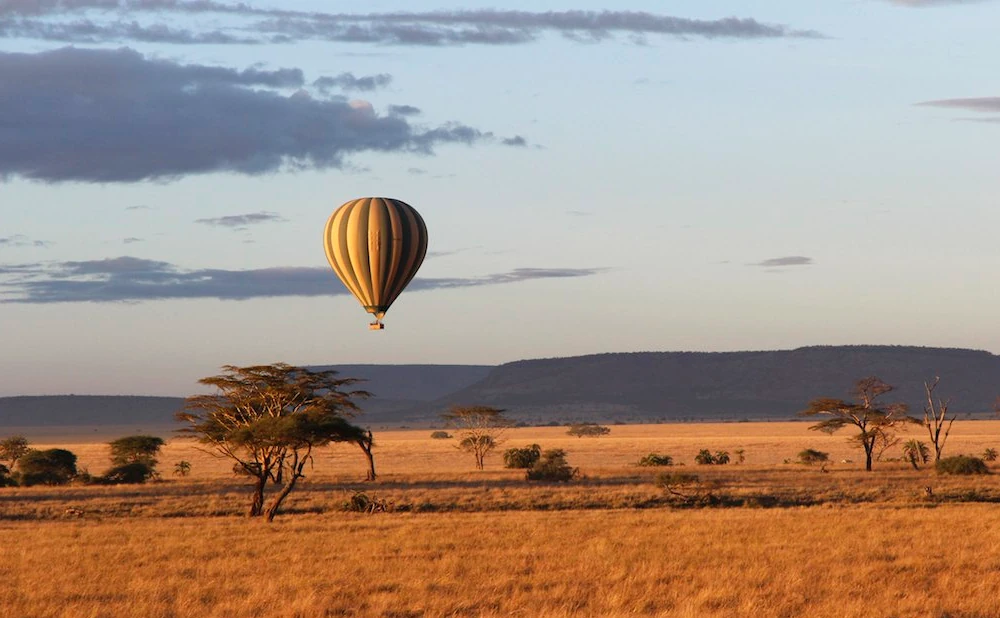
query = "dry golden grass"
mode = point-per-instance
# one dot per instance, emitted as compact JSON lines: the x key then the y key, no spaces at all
{"x":467,"y":543}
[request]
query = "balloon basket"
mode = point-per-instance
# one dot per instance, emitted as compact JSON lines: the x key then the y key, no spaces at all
{"x":376,"y":326}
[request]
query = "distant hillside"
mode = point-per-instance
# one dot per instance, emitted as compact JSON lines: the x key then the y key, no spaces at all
{"x":636,"y":387}
{"x":723,"y":385}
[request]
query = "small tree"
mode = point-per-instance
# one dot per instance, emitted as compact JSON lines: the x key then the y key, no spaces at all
{"x":12,"y":449}
{"x":872,"y":418}
{"x":936,"y":419}
{"x":522,"y":458}
{"x":54,"y":466}
{"x":990,"y":454}
{"x":704,"y":457}
{"x":552,"y":466}
{"x":721,"y":457}
{"x":741,"y":455}
{"x":268,"y":419}
{"x":130,"y":453}
{"x":588,"y":430}
{"x":182,"y":468}
{"x":916,"y":452}
{"x":479,"y":428}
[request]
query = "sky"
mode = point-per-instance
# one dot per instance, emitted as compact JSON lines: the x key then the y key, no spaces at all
{"x":595,"y":177}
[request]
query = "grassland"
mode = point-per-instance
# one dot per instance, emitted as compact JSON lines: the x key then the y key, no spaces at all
{"x":802,"y":541}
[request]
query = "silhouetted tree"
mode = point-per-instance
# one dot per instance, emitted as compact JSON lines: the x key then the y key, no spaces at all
{"x":868,"y":414}
{"x":268,"y":418}
{"x":479,"y":429}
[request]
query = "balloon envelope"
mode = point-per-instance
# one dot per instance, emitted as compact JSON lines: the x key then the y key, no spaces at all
{"x":375,"y":245}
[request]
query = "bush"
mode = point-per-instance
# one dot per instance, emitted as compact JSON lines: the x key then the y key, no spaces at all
{"x":961,"y":464}
{"x":704,"y":457}
{"x":363,"y":503}
{"x":128,"y":474}
{"x":673,"y":480}
{"x":441,"y":435}
{"x":522,"y":458}
{"x":552,"y":466}
{"x":589,"y":430}
{"x":54,"y":466}
{"x":721,"y":457}
{"x":811,"y":456}
{"x":5,"y":478}
{"x":653,"y":459}
{"x":182,"y":468}
{"x":990,"y":454}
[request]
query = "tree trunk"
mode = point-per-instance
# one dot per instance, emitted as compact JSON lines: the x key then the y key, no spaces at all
{"x":296,"y":473}
{"x":479,"y":461}
{"x":367,"y":443}
{"x":257,"y":502}
{"x":868,"y":457}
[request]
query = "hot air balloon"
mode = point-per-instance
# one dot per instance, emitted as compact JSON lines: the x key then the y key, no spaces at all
{"x":375,"y":245}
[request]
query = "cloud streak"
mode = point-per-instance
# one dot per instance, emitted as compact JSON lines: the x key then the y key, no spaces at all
{"x":131,"y":279}
{"x":790,"y":260}
{"x":237,"y":221}
{"x":20,"y":240}
{"x":431,"y":28}
{"x":347,"y":81}
{"x":100,"y":115}
{"x":972,"y":104}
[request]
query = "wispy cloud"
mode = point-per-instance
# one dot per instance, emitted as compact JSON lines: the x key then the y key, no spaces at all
{"x":239,"y":221}
{"x":138,"y":207}
{"x":158,"y":119}
{"x":972,"y":104}
{"x":790,"y":260}
{"x":347,"y":81}
{"x":131,"y":279}
{"x":435,"y":28}
{"x":20,"y":240}
{"x":131,"y":239}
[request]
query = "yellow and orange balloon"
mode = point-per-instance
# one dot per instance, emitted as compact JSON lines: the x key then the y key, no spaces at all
{"x":375,"y":245}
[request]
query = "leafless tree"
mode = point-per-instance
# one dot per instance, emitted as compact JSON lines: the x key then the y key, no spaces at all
{"x":936,"y":419}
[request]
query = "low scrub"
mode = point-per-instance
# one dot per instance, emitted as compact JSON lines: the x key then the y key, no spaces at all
{"x":440,"y":435}
{"x":961,"y":464}
{"x":706,"y":458}
{"x":522,"y":458}
{"x":588,"y":430}
{"x":655,"y":459}
{"x":552,"y":466}
{"x":811,"y":456}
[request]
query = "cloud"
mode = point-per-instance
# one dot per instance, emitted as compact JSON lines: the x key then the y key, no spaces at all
{"x":435,"y":28}
{"x":238,"y":221}
{"x":347,"y":81}
{"x":20,"y":240}
{"x":131,"y":279}
{"x":791,"y":260}
{"x":101,"y":115}
{"x":927,"y":3}
{"x":517,"y":140}
{"x":403,"y":110}
{"x":976,"y":104}
{"x":131,"y":239}
{"x":139,"y":207}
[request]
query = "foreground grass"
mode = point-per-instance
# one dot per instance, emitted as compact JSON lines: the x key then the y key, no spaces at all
{"x":854,"y":561}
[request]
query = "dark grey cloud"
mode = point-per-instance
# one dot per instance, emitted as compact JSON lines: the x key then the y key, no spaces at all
{"x":88,"y":31}
{"x":446,"y":27}
{"x":100,"y":115}
{"x":790,"y":260}
{"x":131,"y":279}
{"x":239,"y":221}
{"x":517,"y":140}
{"x":972,"y":104}
{"x":347,"y":81}
{"x":403,"y":110}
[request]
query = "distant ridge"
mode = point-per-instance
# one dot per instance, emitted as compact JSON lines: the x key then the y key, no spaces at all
{"x":614,"y":387}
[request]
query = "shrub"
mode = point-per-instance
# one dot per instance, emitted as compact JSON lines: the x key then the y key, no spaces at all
{"x":441,"y":435}
{"x":128,"y":474}
{"x":721,"y":457}
{"x":54,"y":466}
{"x":589,"y":430}
{"x":961,"y":464}
{"x":522,"y":458}
{"x":182,"y":468}
{"x":990,"y":454}
{"x":361,"y":502}
{"x":669,"y":480}
{"x":5,"y":478}
{"x":552,"y":466}
{"x":654,"y":459}
{"x":811,"y":456}
{"x":704,"y":457}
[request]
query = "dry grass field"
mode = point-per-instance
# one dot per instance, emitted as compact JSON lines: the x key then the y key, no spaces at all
{"x":789,"y":540}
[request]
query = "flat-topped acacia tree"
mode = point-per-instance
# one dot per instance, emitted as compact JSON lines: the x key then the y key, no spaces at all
{"x":479,"y":429}
{"x":269,"y":418}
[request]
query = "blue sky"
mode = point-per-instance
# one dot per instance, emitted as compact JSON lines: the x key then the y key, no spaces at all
{"x":594,"y":177}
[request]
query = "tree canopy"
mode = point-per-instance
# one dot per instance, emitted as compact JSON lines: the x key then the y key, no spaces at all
{"x":269,"y":419}
{"x":479,"y":429}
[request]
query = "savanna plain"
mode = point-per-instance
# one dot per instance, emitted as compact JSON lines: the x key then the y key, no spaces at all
{"x":763,"y":537}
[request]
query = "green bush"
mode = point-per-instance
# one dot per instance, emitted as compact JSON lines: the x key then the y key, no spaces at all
{"x":654,"y":459}
{"x":522,"y":458}
{"x":811,"y":456}
{"x":961,"y":464}
{"x":721,"y":457}
{"x":54,"y":466}
{"x":552,"y":466}
{"x":704,"y":457}
{"x":128,"y":474}
{"x":441,"y":435}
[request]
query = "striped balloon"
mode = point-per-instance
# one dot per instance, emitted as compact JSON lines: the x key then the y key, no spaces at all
{"x":375,"y":245}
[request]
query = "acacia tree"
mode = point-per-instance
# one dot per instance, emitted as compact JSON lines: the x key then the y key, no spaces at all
{"x":936,"y":419}
{"x":13,"y":448}
{"x":479,"y":429}
{"x":874,"y":420}
{"x":269,"y":419}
